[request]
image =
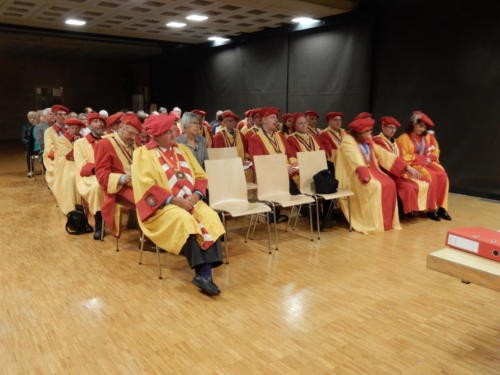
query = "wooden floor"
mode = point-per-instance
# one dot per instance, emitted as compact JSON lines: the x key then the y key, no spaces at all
{"x":349,"y":304}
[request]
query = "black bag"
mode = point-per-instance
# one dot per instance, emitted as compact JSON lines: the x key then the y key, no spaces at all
{"x":77,"y":222}
{"x":325,"y":183}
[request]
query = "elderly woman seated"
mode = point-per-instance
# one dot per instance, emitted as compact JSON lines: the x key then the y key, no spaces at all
{"x":168,"y":185}
{"x":190,"y":124}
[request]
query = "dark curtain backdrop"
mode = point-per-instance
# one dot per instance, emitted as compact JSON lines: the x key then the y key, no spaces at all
{"x":330,"y":70}
{"x":444,"y":59}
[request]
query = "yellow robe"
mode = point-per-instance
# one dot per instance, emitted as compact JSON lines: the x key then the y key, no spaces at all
{"x":49,"y":137}
{"x":366,"y":204}
{"x":87,"y":186}
{"x":169,"y":227}
{"x":64,"y":186}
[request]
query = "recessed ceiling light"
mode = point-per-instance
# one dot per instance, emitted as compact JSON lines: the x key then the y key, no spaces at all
{"x":176,"y":24}
{"x":218,"y":39}
{"x":197,"y":17}
{"x":304,"y":20}
{"x":75,"y":22}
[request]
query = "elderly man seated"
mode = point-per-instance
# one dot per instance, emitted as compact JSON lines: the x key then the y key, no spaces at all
{"x":168,"y":184}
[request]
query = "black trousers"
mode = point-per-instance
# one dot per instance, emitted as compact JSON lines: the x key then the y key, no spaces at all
{"x":196,"y":256}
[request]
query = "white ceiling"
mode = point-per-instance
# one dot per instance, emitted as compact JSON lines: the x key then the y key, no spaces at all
{"x":146,"y":18}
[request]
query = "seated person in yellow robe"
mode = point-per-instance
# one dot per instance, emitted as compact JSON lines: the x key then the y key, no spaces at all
{"x":86,"y":181}
{"x":64,"y":187}
{"x":168,"y":184}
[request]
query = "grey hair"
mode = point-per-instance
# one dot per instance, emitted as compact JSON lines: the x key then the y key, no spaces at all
{"x":415,"y":116}
{"x":187,"y":118}
{"x":47,"y":111}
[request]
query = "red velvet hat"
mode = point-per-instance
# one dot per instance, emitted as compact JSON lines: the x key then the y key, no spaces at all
{"x":421,"y":116}
{"x":362,"y":125}
{"x":286,"y":116}
{"x":247,"y":112}
{"x":268,"y":111}
{"x":311,"y":113}
{"x":255,"y":112}
{"x":132,"y":120}
{"x":230,"y":114}
{"x":199,"y":112}
{"x":363,"y":115}
{"x":94,"y":115}
{"x":74,"y":121}
{"x":56,"y":108}
{"x":159,"y":124}
{"x":114,"y":118}
{"x":389,"y":120}
{"x":331,"y":115}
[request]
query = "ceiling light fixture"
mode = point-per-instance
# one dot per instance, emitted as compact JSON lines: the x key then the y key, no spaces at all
{"x":75,"y":22}
{"x":304,"y":20}
{"x":196,"y":17}
{"x":218,"y":39}
{"x":175,"y":24}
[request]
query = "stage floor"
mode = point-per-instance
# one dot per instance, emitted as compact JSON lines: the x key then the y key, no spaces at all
{"x":348,"y":304}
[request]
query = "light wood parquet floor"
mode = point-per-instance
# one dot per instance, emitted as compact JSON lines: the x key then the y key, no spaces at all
{"x":349,"y":304}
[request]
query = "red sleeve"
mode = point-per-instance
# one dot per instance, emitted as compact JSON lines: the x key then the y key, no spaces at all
{"x":69,"y":155}
{"x":240,"y":125}
{"x":151,"y":201}
{"x":51,"y":155}
{"x":294,"y":145}
{"x":103,"y":162}
{"x":328,"y":145}
{"x":255,"y":146}
{"x":399,"y":167}
{"x":290,"y":152}
{"x":87,"y":170}
{"x":201,"y":185}
{"x":433,"y":157}
{"x":219,"y":141}
{"x":363,"y":174}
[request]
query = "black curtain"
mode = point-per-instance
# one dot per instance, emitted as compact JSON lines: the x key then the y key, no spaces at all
{"x":443,"y":59}
{"x":330,"y":70}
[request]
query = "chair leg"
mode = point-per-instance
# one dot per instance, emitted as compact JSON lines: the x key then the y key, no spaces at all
{"x":297,"y":217}
{"x":256,"y":221}
{"x":159,"y":261}
{"x":268,"y":224}
{"x":289,"y":219}
{"x":226,"y":239}
{"x":349,"y":209}
{"x":317,"y":216}
{"x":311,"y":221}
{"x":141,"y":247}
{"x":275,"y":226}
{"x":249,"y":226}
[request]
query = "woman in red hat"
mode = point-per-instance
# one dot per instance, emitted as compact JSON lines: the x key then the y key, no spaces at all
{"x":421,"y":150}
{"x":169,"y":185}
{"x":359,"y":169}
{"x":64,"y":187}
{"x":287,"y":124}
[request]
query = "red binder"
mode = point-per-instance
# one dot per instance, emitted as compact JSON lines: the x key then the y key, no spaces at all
{"x":479,"y":241}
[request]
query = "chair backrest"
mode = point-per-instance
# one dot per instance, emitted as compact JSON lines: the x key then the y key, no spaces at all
{"x":272,"y":175}
{"x":222,"y":153}
{"x":310,"y":163}
{"x":226,"y":180}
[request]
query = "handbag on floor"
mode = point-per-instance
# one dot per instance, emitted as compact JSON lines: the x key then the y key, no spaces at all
{"x":77,"y":222}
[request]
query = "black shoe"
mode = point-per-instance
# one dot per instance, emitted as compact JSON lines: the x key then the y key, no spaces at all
{"x":215,"y":286}
{"x":433,"y":216}
{"x":282,"y":219}
{"x":97,"y":234}
{"x":442,"y":212}
{"x":206,"y":285}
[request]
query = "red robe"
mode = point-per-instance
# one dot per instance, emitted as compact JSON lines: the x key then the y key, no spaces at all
{"x":301,"y":143}
{"x":112,"y":159}
{"x":258,"y":144}
{"x":416,"y":195}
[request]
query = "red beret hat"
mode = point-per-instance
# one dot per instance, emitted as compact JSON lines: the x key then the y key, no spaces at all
{"x":421,"y":116}
{"x":247,"y":112}
{"x":311,"y":113}
{"x":114,"y":118}
{"x":94,"y":115}
{"x":389,"y":120}
{"x":255,"y":112}
{"x":132,"y":120}
{"x":286,"y":116}
{"x":58,"y":107}
{"x":363,"y":115}
{"x":159,"y":124}
{"x":74,"y":121}
{"x":331,"y":115}
{"x":268,"y":111}
{"x":199,"y":112}
{"x":230,"y":114}
{"x":362,"y":125}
